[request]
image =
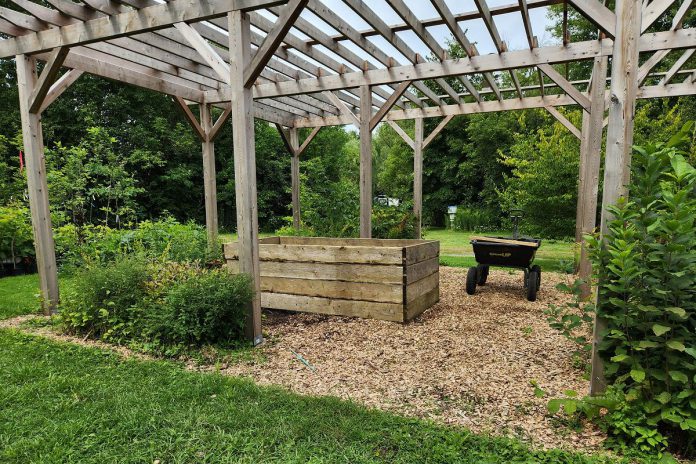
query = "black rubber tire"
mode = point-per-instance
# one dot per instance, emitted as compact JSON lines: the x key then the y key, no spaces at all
{"x":482,"y":274}
{"x":537,"y":269}
{"x":471,"y":279}
{"x":526,"y":277}
{"x":532,"y":289}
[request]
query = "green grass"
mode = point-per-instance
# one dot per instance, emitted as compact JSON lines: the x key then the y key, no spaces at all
{"x":64,"y":403}
{"x":19,"y":295}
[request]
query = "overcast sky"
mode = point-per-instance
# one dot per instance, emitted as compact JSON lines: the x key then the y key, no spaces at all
{"x":510,"y":25}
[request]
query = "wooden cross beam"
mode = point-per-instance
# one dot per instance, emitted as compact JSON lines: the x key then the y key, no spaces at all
{"x":47,"y":78}
{"x":563,"y":120}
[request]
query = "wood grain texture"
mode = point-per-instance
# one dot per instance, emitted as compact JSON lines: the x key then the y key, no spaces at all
{"x":365,"y":309}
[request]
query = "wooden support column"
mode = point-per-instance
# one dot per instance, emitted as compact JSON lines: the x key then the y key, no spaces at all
{"x":590,"y":153}
{"x":365,"y":162}
{"x":32,"y":136}
{"x":295,"y":174}
{"x":245,"y":165}
{"x":624,"y":88}
{"x":209,"y":176}
{"x":418,"y":176}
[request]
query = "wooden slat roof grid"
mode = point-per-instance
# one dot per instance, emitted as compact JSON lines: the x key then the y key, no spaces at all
{"x":317,"y":61}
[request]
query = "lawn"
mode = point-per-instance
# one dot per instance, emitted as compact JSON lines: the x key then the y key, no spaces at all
{"x":20,"y":295}
{"x":65,"y":403}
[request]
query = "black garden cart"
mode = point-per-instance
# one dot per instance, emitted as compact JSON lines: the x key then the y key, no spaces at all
{"x":516,"y":252}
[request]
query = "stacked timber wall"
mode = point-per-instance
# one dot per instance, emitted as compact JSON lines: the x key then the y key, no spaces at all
{"x":392,"y":280}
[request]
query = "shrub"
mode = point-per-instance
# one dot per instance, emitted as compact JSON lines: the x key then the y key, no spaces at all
{"x":16,"y":237}
{"x":163,"y":307}
{"x":473,"y":219}
{"x":393,"y":222}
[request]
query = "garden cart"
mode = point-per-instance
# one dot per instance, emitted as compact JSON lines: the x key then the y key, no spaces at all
{"x":516,"y":252}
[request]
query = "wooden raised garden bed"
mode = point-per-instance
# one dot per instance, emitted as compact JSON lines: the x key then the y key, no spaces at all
{"x":392,"y":280}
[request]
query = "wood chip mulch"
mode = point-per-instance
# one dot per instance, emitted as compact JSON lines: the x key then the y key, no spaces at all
{"x":468,"y":360}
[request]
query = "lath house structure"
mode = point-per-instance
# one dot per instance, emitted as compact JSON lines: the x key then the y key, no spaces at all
{"x":270,"y":59}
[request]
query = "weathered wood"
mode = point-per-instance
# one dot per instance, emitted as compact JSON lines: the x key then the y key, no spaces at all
{"x":624,"y":88}
{"x":505,"y":241}
{"x":61,"y":85}
{"x":421,"y":287}
{"x":328,"y":271}
{"x":389,"y":104}
{"x":598,"y":14}
{"x":418,"y":177}
{"x":245,"y":166}
{"x":360,"y":291}
{"x":295,"y":177}
{"x":422,"y":252}
{"x":422,"y":269}
{"x":47,"y":78}
{"x":564,"y":121}
{"x":420,"y":304}
{"x":437,"y":130}
{"x":402,"y":133}
{"x":209,"y":176}
{"x":332,"y":253}
{"x":308,"y":140}
{"x":364,"y":242}
{"x":567,"y":87}
{"x":190,"y":118}
{"x":365,"y":309}
{"x":32,"y":136}
{"x":365,"y":162}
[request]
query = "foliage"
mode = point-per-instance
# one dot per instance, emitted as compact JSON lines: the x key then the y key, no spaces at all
{"x":159,"y":306}
{"x":393,"y":221}
{"x":471,"y":219}
{"x":543,"y":180}
{"x":16,"y":236}
{"x":574,"y":320}
{"x":165,"y":238}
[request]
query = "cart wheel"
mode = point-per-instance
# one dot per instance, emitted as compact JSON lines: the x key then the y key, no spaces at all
{"x":526,"y":277}
{"x":471,"y":278}
{"x":482,"y":275}
{"x":531,"y":288}
{"x":537,"y":269}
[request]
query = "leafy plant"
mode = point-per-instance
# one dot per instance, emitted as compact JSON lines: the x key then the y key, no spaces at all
{"x":16,"y":237}
{"x":475,"y":219}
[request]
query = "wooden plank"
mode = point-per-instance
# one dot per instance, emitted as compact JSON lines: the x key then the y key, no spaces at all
{"x":421,"y":287}
{"x":324,"y":271}
{"x":365,"y":162}
{"x":505,"y":241}
{"x":206,"y":50}
{"x":294,"y":142}
{"x":567,"y":87}
{"x":245,"y":165}
{"x":324,"y":254}
{"x":560,"y":117}
{"x":190,"y":118}
{"x":389,"y":104}
{"x":47,"y":78}
{"x":360,"y":291}
{"x":61,"y":85}
{"x":37,"y":184}
{"x":209,"y":176}
{"x":422,"y":252}
{"x":365,"y":309}
{"x":373,"y":242}
{"x":598,"y":14}
{"x":437,"y":130}
{"x":422,"y":269}
{"x":308,"y":140}
{"x":402,"y":133}
{"x":420,"y":304}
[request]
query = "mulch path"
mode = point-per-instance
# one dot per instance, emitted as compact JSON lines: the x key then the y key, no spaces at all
{"x":467,"y":361}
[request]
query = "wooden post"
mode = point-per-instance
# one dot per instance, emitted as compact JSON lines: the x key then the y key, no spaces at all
{"x":209,"y":176}
{"x":32,"y":136}
{"x":365,"y":162}
{"x":295,"y":173}
{"x":590,"y":148}
{"x":418,"y":176}
{"x":245,"y":165}
{"x":624,"y":88}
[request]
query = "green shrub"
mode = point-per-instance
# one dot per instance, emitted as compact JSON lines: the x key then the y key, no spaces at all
{"x":162,"y":307}
{"x":164,"y":239}
{"x":16,"y":236}
{"x":393,"y":222}
{"x":474,"y":219}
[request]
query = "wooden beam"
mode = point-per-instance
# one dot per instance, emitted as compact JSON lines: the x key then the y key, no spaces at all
{"x":590,"y":153}
{"x":563,"y":120}
{"x":681,"y":14}
{"x":487,"y":18}
{"x":129,"y":23}
{"x":436,"y":131}
{"x":47,"y":78}
{"x":404,"y":136}
{"x":207,"y":52}
{"x":418,"y":147}
{"x":598,"y":14}
{"x":365,"y":162}
{"x":209,"y":178}
{"x":245,"y":166}
{"x":190,"y":118}
{"x":220,"y":123}
{"x":342,"y":108}
{"x":32,"y":137}
{"x":285,"y":137}
{"x":60,"y":86}
{"x":307,"y":141}
{"x":624,"y":89}
{"x":294,"y":142}
{"x":653,"y":11}
{"x":567,"y":87}
{"x":389,"y":104}
{"x":677,"y":66}
{"x":275,"y":37}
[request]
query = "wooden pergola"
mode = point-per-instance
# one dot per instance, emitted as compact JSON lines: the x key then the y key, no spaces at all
{"x":270,"y":59}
